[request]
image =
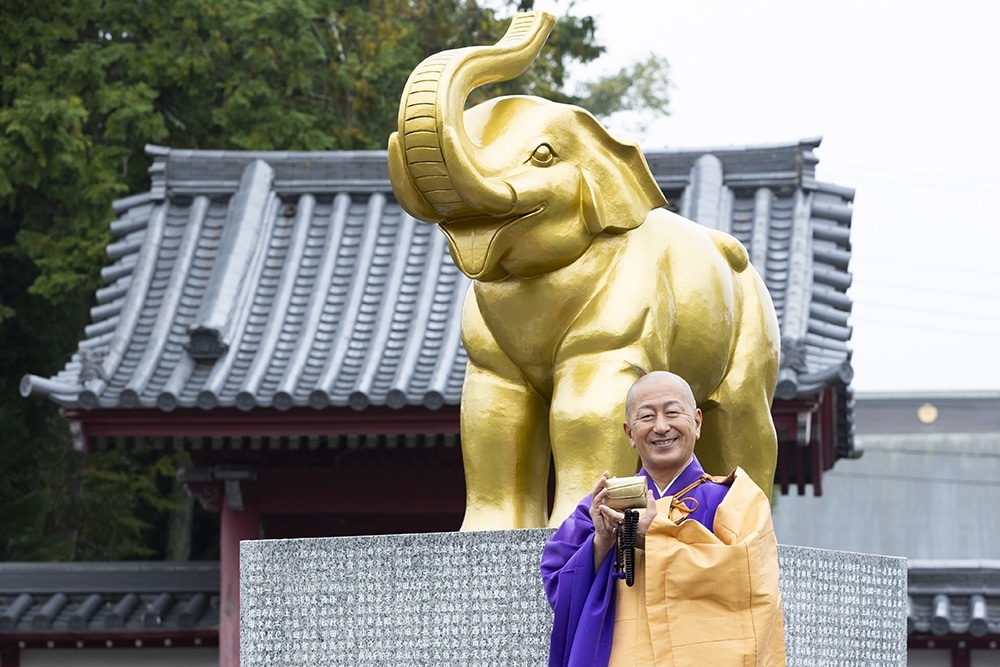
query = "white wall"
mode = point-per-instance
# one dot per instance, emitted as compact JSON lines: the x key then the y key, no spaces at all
{"x":907,"y":486}
{"x":942,"y":658}
{"x":121,"y":657}
{"x":985,"y":658}
{"x":928,"y":658}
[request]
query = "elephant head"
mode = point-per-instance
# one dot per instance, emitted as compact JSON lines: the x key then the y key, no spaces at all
{"x":519,"y":185}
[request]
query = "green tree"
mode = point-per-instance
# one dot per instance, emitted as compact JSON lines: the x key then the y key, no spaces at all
{"x":641,"y":86}
{"x":86,"y":84}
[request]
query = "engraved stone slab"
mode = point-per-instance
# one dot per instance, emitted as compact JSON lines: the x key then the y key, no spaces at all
{"x":843,"y":608}
{"x":476,"y":599}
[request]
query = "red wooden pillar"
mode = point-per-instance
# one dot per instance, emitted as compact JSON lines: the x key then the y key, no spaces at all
{"x":10,"y":655}
{"x":240,"y":521}
{"x":960,"y":656}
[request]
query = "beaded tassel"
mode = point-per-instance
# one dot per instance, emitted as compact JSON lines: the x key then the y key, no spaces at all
{"x":625,"y":547}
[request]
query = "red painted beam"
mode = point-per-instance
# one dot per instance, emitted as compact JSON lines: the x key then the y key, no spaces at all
{"x":375,"y":420}
{"x":293,"y":526}
{"x":102,"y":639}
{"x":954,"y":642}
{"x":361,"y":490}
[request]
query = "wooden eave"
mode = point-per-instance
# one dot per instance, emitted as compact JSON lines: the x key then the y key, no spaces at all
{"x":264,"y":422}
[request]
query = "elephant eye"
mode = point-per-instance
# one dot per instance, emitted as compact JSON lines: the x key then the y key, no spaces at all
{"x":543,"y":155}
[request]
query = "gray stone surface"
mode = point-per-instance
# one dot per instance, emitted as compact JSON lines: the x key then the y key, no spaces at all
{"x":476,"y":599}
{"x":843,"y":608}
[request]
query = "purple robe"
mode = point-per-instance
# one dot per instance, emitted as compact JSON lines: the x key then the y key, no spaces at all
{"x":583,"y":601}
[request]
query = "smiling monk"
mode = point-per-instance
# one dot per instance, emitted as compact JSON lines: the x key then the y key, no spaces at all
{"x":706,"y":573}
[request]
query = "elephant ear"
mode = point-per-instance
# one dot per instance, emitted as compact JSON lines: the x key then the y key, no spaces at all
{"x":617,"y":191}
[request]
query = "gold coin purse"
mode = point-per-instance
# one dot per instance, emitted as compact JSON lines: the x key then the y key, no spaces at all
{"x":626,"y":493}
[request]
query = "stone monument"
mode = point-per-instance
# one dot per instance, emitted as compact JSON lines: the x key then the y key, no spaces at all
{"x":475,"y":598}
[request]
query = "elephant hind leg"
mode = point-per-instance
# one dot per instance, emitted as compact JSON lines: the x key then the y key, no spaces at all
{"x":739,"y":432}
{"x":737,"y":428}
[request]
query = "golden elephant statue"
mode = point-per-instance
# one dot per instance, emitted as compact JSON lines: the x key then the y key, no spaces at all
{"x":582,"y":283}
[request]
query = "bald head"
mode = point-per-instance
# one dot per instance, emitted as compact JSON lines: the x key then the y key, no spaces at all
{"x":664,"y":378}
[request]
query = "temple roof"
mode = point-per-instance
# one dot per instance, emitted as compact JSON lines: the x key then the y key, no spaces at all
{"x":109,"y":599}
{"x":960,"y":597}
{"x":295,"y":279}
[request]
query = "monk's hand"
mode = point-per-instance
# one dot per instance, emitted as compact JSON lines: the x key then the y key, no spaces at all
{"x":645,"y":520}
{"x":604,"y":520}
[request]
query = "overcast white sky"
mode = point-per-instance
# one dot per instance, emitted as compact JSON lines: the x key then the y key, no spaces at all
{"x":907,"y":99}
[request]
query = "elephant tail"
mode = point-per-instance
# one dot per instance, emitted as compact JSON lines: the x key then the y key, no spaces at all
{"x":732,"y":250}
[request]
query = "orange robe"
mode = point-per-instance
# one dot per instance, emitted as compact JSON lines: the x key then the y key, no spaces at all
{"x":704,"y":598}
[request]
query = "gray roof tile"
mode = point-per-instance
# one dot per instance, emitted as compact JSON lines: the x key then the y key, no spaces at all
{"x":954,"y":597}
{"x":49,"y":599}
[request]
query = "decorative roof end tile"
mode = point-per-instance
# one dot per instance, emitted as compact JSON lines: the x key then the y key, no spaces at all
{"x":205,"y":345}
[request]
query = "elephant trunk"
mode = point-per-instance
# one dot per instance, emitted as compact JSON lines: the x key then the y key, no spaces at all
{"x":432,"y":160}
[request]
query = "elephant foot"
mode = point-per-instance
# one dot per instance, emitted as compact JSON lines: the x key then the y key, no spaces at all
{"x":499,"y":518}
{"x":562,"y":509}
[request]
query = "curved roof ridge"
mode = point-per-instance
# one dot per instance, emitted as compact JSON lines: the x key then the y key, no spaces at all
{"x":242,"y":289}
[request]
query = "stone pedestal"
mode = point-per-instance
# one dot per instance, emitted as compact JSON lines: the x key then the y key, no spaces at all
{"x":476,"y":599}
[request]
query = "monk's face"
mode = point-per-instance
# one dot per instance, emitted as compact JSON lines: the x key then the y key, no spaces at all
{"x":663,"y":423}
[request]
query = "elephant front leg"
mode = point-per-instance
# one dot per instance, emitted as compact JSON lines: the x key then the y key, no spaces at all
{"x":505,"y":451}
{"x":588,"y":409}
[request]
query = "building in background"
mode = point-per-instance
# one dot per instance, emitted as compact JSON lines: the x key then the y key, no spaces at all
{"x":927,"y":488}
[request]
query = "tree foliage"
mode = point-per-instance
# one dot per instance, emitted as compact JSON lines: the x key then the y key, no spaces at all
{"x":86,"y":84}
{"x":644,"y":85}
